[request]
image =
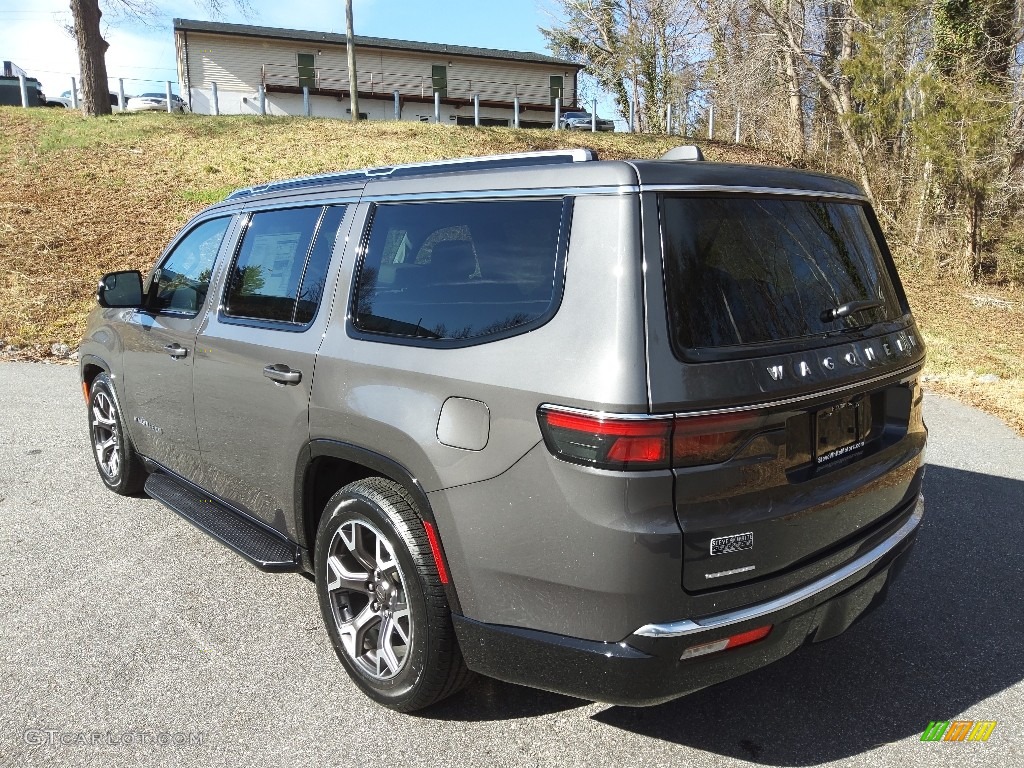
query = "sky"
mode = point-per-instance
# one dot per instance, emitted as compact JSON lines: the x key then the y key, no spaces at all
{"x":33,"y":36}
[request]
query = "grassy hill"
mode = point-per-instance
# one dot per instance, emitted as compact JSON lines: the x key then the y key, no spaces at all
{"x":79,"y":198}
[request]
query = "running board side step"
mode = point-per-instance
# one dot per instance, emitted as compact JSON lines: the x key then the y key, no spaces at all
{"x":260,"y":545}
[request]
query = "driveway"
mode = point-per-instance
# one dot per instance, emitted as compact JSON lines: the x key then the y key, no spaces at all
{"x":128,"y":637}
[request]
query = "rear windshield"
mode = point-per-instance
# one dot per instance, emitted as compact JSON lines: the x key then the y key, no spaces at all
{"x":749,"y":270}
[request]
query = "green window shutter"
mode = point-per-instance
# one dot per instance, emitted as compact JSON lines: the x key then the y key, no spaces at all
{"x":307,"y":70}
{"x":556,"y":89}
{"x":439,"y":75}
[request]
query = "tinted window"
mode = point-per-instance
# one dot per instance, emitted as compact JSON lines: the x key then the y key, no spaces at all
{"x":458,"y":270}
{"x":314,"y":279}
{"x":181,"y":282}
{"x":753,"y":270}
{"x":279,"y":274}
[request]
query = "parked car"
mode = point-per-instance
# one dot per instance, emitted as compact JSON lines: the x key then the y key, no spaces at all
{"x":620,"y":430}
{"x":156,"y":102}
{"x":65,"y":100}
{"x":583,"y":121}
{"x":10,"y":92}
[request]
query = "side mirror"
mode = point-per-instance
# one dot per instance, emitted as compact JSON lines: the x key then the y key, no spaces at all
{"x":120,"y":289}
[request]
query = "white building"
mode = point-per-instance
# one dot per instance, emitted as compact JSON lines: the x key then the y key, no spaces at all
{"x":239,"y":58}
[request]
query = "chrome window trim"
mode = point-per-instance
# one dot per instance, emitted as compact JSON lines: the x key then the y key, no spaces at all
{"x":773,"y":191}
{"x":313,"y":201}
{"x":485,"y":194}
{"x":694,"y":626}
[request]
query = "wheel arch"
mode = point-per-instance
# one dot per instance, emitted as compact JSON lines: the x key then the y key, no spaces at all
{"x":325,"y":466}
{"x":91,"y":367}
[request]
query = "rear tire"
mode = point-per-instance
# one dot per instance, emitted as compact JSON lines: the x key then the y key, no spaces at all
{"x":382,"y":600}
{"x":120,"y":467}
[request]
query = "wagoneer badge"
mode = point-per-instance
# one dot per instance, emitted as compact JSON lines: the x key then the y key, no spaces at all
{"x":738,"y":542}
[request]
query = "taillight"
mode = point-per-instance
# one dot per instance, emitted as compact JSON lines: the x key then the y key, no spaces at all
{"x":623,"y":442}
{"x":607,"y":442}
{"x":711,"y":439}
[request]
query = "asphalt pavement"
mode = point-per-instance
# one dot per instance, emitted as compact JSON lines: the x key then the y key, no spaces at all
{"x":127,"y":637}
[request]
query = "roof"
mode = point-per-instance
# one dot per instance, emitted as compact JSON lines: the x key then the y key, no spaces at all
{"x":580,"y":168}
{"x":248,"y":30}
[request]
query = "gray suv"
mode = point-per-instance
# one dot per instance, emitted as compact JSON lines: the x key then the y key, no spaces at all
{"x":620,"y":430}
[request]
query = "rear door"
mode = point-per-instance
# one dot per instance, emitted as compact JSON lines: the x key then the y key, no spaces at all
{"x":782,"y":339}
{"x":254,"y":358}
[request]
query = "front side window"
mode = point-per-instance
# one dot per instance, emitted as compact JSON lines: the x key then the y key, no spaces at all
{"x":180,"y":284}
{"x":754,"y":270}
{"x":281,"y":267}
{"x":459,"y":271}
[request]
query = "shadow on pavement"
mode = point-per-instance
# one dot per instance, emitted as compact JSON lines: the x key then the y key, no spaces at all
{"x":947,"y":638}
{"x":488,"y":699}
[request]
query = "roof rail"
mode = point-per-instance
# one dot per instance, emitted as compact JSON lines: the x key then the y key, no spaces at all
{"x":684,"y":152}
{"x":516,"y":160}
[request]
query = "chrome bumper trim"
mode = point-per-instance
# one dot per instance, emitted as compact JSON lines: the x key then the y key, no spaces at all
{"x":869,"y":558}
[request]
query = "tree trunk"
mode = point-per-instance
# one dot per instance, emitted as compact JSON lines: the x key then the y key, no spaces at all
{"x":845,"y":56}
{"x":796,"y":106}
{"x":92,"y":49}
{"x":923,"y":204}
{"x":975,"y":209}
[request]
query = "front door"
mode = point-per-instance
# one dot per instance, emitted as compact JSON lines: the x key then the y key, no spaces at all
{"x":556,"y":85}
{"x":254,"y":359}
{"x":306,"y":64}
{"x":159,"y":346}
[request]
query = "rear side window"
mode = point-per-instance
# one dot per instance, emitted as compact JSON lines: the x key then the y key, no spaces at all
{"x":748,"y":270}
{"x":281,"y":267}
{"x":459,"y":271}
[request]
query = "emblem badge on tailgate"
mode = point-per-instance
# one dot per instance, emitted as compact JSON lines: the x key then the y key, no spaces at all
{"x":738,"y":542}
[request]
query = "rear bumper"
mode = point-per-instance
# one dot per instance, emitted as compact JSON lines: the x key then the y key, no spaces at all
{"x":646,"y":669}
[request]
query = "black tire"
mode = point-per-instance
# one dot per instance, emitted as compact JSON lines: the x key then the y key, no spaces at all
{"x":120,"y":467}
{"x":425,"y":665}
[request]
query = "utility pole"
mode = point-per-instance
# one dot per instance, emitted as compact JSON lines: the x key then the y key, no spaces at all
{"x":353,"y":85}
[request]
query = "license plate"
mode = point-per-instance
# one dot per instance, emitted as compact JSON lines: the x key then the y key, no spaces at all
{"x":838,"y":432}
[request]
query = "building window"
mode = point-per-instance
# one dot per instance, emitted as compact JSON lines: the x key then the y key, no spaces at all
{"x":556,"y":89}
{"x":307,"y":70}
{"x":439,"y":75}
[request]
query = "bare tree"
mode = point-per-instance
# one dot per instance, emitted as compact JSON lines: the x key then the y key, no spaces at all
{"x":635,"y":49}
{"x":92,"y":47}
{"x":92,"y":51}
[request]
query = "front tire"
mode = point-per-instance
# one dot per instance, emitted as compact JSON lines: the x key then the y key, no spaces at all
{"x":119,"y":465}
{"x":382,"y":600}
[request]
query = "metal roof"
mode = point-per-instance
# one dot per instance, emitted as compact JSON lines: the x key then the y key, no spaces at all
{"x":247,"y":30}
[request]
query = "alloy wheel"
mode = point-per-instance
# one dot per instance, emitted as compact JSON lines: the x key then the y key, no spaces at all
{"x":104,"y":434}
{"x":370,"y":606}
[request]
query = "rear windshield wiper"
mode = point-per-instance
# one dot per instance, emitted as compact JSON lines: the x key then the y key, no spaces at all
{"x":849,"y":308}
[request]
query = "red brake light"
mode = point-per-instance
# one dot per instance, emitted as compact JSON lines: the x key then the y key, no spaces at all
{"x":644,"y":442}
{"x":607,"y":442}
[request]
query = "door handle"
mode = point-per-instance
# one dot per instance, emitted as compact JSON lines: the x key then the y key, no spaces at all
{"x":282,"y":373}
{"x":176,"y":350}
